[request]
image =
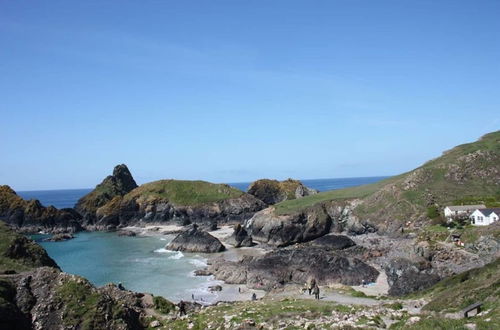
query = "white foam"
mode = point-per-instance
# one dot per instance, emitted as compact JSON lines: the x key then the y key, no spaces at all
{"x":163,"y":239}
{"x":198,"y":262}
{"x":177,"y":255}
{"x":163,"y":250}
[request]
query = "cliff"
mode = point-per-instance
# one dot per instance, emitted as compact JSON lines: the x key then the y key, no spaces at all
{"x":31,"y":216}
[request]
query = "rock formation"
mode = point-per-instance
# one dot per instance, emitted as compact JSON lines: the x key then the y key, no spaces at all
{"x":335,"y":242}
{"x":177,"y":200}
{"x":294,"y":265}
{"x":273,"y":191}
{"x":240,"y":237}
{"x":32,"y":216}
{"x":195,"y":240}
{"x":405,"y":276}
{"x":118,"y":184}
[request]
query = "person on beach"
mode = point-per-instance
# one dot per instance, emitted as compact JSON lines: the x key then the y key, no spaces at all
{"x":192,"y":296}
{"x":254,"y":296}
{"x":363,"y":283}
{"x":182,"y":308}
{"x":316,"y":292}
{"x":239,"y":290}
{"x":120,"y":286}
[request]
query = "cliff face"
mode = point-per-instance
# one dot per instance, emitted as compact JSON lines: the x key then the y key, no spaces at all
{"x":118,"y":184}
{"x":273,"y":191}
{"x":31,"y":216}
{"x":176,"y":200}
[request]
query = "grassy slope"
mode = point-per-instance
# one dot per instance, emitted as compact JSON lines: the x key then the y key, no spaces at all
{"x":429,"y":177}
{"x":180,"y":192}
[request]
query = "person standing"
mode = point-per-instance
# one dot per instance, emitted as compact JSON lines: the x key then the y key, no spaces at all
{"x":316,"y":292}
{"x":182,"y":308}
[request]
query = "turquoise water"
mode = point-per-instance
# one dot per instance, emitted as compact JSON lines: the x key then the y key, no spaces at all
{"x":140,"y":263}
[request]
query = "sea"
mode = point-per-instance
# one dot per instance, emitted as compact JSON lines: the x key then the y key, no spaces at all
{"x":142,"y":263}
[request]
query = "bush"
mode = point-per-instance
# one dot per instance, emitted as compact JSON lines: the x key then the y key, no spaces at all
{"x":162,"y":305}
{"x":433,"y":212}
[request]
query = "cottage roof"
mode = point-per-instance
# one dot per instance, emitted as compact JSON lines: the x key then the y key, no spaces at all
{"x":466,"y":207}
{"x":487,"y":212}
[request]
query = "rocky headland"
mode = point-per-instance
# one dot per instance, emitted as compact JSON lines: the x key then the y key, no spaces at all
{"x":274,"y":191}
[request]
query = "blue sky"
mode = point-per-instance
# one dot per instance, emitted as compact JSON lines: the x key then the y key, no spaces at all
{"x":230,"y":91}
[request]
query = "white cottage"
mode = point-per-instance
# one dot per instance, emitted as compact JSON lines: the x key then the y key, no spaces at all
{"x":461,"y":210}
{"x":484,"y":217}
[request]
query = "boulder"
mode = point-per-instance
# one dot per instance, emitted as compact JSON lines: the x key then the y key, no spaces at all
{"x":127,"y":233}
{"x":282,"y":230}
{"x":195,"y":240}
{"x":240,"y":237}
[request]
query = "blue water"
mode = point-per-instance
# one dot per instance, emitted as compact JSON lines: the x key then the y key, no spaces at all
{"x":59,"y":198}
{"x":68,"y":197}
{"x":141,"y":263}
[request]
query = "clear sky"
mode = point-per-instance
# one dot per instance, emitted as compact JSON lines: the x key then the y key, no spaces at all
{"x":230,"y":91}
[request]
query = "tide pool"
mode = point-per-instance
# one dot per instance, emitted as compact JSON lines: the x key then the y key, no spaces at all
{"x":140,"y":263}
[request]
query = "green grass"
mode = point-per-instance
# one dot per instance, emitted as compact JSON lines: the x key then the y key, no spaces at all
{"x":295,"y":205}
{"x":180,"y":192}
{"x":82,"y":303}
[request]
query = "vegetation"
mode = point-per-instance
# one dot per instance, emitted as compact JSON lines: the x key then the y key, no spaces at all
{"x":82,"y":305}
{"x":488,"y":201}
{"x":162,"y":305}
{"x":269,"y":312}
{"x":181,"y":192}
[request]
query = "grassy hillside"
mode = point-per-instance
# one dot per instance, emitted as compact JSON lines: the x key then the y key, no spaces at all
{"x":180,"y":192}
{"x":469,"y":171}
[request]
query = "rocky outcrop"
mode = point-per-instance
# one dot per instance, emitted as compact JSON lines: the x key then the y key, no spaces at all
{"x":273,"y":191}
{"x":59,"y":237}
{"x":240,"y":237}
{"x":405,"y":276}
{"x":32,"y":216}
{"x":174,"y":200}
{"x":294,"y":265}
{"x":118,"y":184}
{"x":195,"y":240}
{"x":20,"y":253}
{"x":335,"y":242}
{"x":46,"y":298}
{"x":282,"y":230}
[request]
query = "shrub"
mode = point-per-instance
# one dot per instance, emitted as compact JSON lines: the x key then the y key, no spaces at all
{"x":432,"y":212}
{"x":163,"y":305}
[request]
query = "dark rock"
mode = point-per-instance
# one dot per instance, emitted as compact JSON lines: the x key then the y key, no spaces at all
{"x":240,"y":237}
{"x":59,"y":237}
{"x":27,"y":252}
{"x":127,"y":233}
{"x":405,"y":276}
{"x":294,"y":265}
{"x":215,"y":288}
{"x":273,"y":191}
{"x":195,"y":240}
{"x":202,"y":272}
{"x":336,"y":242}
